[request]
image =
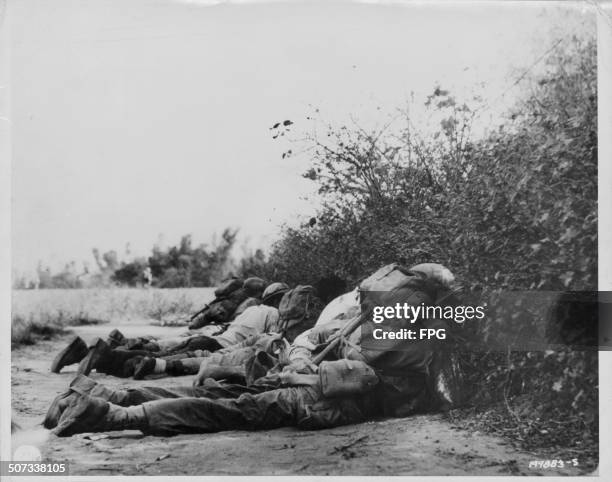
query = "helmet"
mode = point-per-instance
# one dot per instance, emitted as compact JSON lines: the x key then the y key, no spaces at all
{"x":254,"y":287}
{"x":274,"y":289}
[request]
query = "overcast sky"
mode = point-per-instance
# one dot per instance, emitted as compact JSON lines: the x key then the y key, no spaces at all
{"x":135,"y":119}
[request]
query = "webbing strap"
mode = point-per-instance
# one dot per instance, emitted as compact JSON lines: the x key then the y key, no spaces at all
{"x":345,"y":342}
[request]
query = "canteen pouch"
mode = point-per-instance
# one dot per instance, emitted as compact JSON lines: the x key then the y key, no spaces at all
{"x":340,"y":378}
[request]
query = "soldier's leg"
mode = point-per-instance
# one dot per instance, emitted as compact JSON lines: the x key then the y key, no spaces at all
{"x":192,"y":343}
{"x":113,"y":361}
{"x":184,"y":366}
{"x":174,"y":365}
{"x":83,"y":385}
{"x":215,"y":389}
{"x":333,"y":412}
{"x":130,"y":396}
{"x":266,"y":410}
{"x":187,"y":354}
{"x":273,"y":409}
{"x":136,"y":396}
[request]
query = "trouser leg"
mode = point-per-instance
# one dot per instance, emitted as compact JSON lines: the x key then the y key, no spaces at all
{"x":137,"y":396}
{"x":172,"y":343}
{"x":181,"y":356}
{"x":201,"y":342}
{"x":120,"y":362}
{"x":271,"y":409}
{"x":130,"y":396}
{"x":333,"y":412}
{"x":139,"y":343}
{"x":190,"y":347}
{"x":215,"y":389}
{"x":184,"y":366}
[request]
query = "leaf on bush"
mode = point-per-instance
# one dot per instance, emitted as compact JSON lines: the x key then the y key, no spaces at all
{"x":566,"y":278}
{"x":535,"y":247}
{"x":570,"y":233}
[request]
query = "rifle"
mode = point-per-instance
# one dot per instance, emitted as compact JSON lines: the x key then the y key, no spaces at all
{"x":356,"y":322}
{"x":195,"y":315}
{"x":346,"y":330}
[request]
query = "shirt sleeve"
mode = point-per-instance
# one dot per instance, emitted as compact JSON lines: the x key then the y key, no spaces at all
{"x":304,"y":345}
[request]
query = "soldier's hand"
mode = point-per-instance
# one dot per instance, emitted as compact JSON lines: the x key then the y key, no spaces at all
{"x":198,"y":381}
{"x":208,"y":370}
{"x":203,"y":373}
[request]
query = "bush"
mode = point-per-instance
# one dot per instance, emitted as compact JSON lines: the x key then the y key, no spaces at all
{"x":514,"y":210}
{"x":28,"y":332}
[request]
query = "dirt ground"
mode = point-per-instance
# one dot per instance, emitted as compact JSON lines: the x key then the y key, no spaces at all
{"x":418,"y":445}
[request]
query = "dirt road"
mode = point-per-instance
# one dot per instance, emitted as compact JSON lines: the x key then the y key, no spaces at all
{"x":418,"y":445}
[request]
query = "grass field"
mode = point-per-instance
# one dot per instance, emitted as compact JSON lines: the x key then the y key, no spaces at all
{"x":44,"y":313}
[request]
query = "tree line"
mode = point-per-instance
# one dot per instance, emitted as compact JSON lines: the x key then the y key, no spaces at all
{"x":182,"y":265}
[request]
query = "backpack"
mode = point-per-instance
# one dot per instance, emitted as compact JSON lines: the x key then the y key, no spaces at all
{"x":227,"y":287}
{"x":387,"y":278}
{"x":388,"y":282}
{"x":299,"y":304}
{"x":223,"y":309}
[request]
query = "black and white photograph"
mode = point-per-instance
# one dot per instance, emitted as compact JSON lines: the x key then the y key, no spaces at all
{"x":303,"y":238}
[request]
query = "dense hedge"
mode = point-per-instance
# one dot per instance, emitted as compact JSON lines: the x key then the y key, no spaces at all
{"x":516,"y":209}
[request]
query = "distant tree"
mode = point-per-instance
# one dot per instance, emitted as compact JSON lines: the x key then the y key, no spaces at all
{"x":66,"y":279}
{"x":131,"y":274}
{"x":254,"y":264}
{"x":181,"y":266}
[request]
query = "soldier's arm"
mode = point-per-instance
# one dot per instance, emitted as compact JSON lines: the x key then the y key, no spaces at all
{"x":250,"y":341}
{"x":304,"y":347}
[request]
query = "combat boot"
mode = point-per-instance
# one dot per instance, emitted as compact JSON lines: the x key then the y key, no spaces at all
{"x":91,"y":414}
{"x":98,"y":355}
{"x":144,"y":367}
{"x":81,"y":385}
{"x":73,"y":353}
{"x":115,"y":338}
{"x":58,"y":406}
